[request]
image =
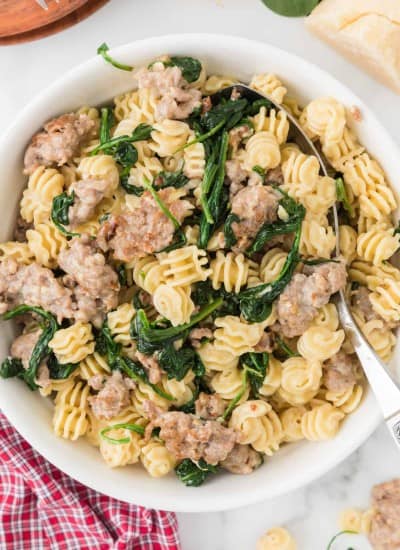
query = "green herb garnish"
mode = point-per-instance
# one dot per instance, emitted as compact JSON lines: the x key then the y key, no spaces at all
{"x":333,"y":539}
{"x":126,"y":426}
{"x":103,"y":50}
{"x":194,"y":474}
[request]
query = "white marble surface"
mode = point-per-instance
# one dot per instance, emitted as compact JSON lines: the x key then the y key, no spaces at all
{"x":310,"y":513}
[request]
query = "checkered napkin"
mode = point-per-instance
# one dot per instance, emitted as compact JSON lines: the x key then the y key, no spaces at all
{"x":43,"y":509}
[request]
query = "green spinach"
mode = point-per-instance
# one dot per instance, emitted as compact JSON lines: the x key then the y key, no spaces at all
{"x":229,"y":235}
{"x":151,"y":338}
{"x":194,"y":474}
{"x":106,"y":123}
{"x":256,"y":302}
{"x":214,"y":195}
{"x":296,"y":213}
{"x":125,"y":426}
{"x":41,"y":349}
{"x":60,"y":213}
{"x":343,"y":197}
{"x":103,"y":51}
{"x":190,"y":67}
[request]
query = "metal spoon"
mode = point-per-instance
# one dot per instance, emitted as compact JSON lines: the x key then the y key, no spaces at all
{"x":386,"y":390}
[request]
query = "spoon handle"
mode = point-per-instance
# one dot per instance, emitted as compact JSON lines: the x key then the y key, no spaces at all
{"x":386,"y":390}
{"x":393,"y":425}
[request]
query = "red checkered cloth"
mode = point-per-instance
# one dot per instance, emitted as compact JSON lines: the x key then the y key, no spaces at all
{"x":41,"y":508}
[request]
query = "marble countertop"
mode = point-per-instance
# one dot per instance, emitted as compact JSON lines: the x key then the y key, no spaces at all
{"x":311,"y":513}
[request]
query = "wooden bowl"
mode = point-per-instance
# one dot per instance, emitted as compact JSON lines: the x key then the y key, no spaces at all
{"x":25,"y":20}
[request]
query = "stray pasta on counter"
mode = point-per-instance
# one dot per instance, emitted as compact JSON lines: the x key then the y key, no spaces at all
{"x":173,"y":269}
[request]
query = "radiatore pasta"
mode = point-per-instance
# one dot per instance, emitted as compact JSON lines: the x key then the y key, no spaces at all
{"x":174,"y":268}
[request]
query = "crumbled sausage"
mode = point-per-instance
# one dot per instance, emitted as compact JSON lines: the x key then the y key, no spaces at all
{"x":198,"y":334}
{"x":178,"y":104}
{"x":145,"y":230}
{"x":43,"y":376}
{"x":151,"y":365}
{"x":21,"y":228}
{"x":266,"y":343}
{"x":60,"y":141}
{"x":304,"y":295}
{"x":385,"y":525}
{"x":23,"y":346}
{"x":176,"y":101}
{"x":330,"y":276}
{"x":275,"y":175}
{"x":238,"y":134}
{"x":206,"y":104}
{"x":186,"y":436}
{"x":159,"y":78}
{"x":22,"y":349}
{"x":254,"y":206}
{"x":94,"y":283}
{"x":235,"y":175}
{"x":88,"y":194}
{"x":112,"y":398}
{"x":235,"y":94}
{"x":341,"y":371}
{"x":33,"y":285}
{"x":360,"y":300}
{"x":209,"y":406}
{"x":243,"y":459}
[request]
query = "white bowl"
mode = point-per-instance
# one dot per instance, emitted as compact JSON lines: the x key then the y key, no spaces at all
{"x":95,"y":83}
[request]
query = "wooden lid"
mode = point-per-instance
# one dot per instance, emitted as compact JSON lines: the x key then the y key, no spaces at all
{"x":25,"y":20}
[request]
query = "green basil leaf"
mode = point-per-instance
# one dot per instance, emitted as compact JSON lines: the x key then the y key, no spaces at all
{"x":291,"y":8}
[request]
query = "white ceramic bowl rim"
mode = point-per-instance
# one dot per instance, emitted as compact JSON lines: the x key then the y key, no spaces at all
{"x":294,"y":466}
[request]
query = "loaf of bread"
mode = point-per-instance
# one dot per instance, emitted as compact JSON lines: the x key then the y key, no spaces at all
{"x":365,"y":31}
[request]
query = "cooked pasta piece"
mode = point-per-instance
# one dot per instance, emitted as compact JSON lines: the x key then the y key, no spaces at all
{"x":291,"y":420}
{"x":258,"y":425}
{"x":378,"y":244}
{"x":262,"y":150}
{"x":274,"y":123}
{"x":322,"y":422}
{"x":156,"y":459}
{"x":270,"y":85}
{"x":320,"y":343}
{"x":301,"y":380}
{"x":73,"y":344}
{"x":217,"y":359}
{"x":276,"y":538}
{"x":185,"y":266}
{"x":20,"y":252}
{"x":236,"y":337}
{"x":173,"y":303}
{"x":348,"y":400}
{"x":45,"y":243}
{"x":232,"y":271}
{"x":169,"y":136}
{"x":70,"y":419}
{"x":43,"y":186}
{"x":215,"y":83}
